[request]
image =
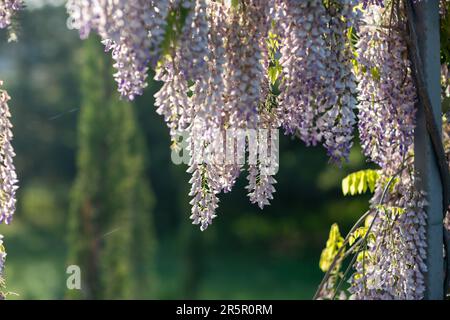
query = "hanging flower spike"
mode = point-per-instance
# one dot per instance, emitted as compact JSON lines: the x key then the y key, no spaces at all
{"x":205,"y":180}
{"x":172,"y":99}
{"x":2,"y":255}
{"x":8,"y":9}
{"x":132,"y":29}
{"x":386,"y":92}
{"x":141,"y":34}
{"x":336,"y":124}
{"x":393,"y":266}
{"x":194,"y":43}
{"x":7,"y":171}
{"x":314,"y":54}
{"x":303,"y":58}
{"x":246,"y":26}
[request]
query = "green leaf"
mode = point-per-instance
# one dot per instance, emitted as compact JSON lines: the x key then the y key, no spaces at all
{"x":372,"y":178}
{"x":357,"y":234}
{"x":334,"y":243}
{"x":375,"y":72}
{"x":345,"y":185}
{"x":359,"y":182}
{"x":353,"y":182}
{"x":362,"y":185}
{"x":235,"y":3}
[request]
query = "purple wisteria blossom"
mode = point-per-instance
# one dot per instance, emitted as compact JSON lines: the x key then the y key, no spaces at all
{"x":304,"y":58}
{"x":393,"y":266}
{"x":446,"y":140}
{"x":315,"y":54}
{"x":8,"y":8}
{"x":386,"y":93}
{"x":132,"y":29}
{"x":213,"y":82}
{"x":8,"y":177}
{"x":2,"y":258}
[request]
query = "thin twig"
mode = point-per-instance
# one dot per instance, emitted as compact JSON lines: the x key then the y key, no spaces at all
{"x":339,"y":253}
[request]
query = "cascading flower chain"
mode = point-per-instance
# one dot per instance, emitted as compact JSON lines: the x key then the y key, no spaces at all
{"x":8,"y":177}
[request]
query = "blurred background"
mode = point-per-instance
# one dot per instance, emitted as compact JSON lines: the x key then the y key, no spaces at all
{"x":98,"y":190}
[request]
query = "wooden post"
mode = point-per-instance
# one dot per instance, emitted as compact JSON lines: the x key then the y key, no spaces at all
{"x":426,"y":21}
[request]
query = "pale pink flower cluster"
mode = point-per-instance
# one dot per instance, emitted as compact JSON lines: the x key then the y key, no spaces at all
{"x":394,"y":263}
{"x":132,"y":29}
{"x":8,"y":9}
{"x":8,"y":177}
{"x":386,"y":92}
{"x":318,"y":92}
{"x":219,"y":61}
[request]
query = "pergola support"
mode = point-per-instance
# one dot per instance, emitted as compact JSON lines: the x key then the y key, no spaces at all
{"x":424,"y":18}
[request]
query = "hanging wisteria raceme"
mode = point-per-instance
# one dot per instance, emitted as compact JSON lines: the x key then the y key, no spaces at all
{"x":304,"y":59}
{"x":336,"y":123}
{"x":187,"y":65}
{"x":8,"y":9}
{"x":386,"y":91}
{"x":219,"y":61}
{"x":132,"y":29}
{"x":188,"y":113}
{"x":2,"y":267}
{"x":247,"y":89}
{"x":315,"y":53}
{"x":393,"y":265}
{"x":2,"y":256}
{"x":8,"y":175}
{"x":244,"y":67}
